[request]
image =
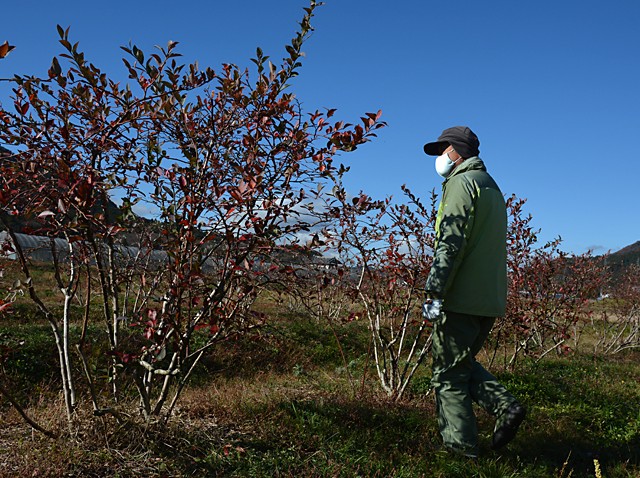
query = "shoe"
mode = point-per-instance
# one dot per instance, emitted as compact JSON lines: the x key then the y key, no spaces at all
{"x":464,"y":452}
{"x":509,"y":421}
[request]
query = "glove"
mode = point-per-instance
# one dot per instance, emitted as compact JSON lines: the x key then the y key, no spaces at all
{"x":432,"y":310}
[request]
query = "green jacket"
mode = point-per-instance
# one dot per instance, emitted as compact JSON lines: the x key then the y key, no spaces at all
{"x":469,"y":270}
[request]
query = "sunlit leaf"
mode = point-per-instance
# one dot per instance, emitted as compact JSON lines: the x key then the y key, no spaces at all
{"x":5,"y":49}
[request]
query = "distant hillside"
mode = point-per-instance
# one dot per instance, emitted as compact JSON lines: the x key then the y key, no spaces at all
{"x":619,"y":261}
{"x":627,"y":255}
{"x":632,"y":249}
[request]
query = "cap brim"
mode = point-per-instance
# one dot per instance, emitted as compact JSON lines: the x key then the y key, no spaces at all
{"x":436,"y":148}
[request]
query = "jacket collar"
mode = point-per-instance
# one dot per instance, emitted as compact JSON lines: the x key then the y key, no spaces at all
{"x":469,"y":164}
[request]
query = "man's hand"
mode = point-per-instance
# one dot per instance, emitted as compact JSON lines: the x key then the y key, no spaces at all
{"x":432,"y":310}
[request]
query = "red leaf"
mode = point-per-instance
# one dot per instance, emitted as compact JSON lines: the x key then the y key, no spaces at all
{"x":5,"y":49}
{"x":4,"y":306}
{"x":126,"y":358}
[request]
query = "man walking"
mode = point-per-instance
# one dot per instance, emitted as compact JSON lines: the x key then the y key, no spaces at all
{"x":466,"y":290}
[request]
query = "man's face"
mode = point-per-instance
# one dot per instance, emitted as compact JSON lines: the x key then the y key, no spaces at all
{"x":453,"y":155}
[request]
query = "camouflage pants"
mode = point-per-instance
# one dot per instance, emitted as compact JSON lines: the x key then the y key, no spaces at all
{"x":459,"y":380}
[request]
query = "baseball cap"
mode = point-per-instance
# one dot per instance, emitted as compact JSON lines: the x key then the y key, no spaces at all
{"x":463,"y":140}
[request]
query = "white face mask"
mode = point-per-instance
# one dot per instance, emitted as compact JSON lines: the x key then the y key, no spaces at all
{"x":444,"y":165}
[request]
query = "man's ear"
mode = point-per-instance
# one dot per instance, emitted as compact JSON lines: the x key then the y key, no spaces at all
{"x":459,"y":160}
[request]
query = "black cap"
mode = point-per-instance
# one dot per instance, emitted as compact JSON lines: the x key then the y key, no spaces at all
{"x":463,"y":140}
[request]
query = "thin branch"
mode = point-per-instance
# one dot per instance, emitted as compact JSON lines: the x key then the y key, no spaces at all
{"x":24,"y":415}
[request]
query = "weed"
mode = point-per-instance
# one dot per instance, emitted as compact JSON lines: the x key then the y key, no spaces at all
{"x":272,"y":405}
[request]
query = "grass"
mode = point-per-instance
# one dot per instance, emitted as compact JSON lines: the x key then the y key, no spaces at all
{"x":280,"y":404}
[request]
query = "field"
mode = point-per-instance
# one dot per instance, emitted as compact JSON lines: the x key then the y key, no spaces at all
{"x":283,"y":402}
{"x":160,"y":347}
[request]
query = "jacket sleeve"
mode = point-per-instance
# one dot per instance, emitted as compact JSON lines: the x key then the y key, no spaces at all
{"x":453,"y":228}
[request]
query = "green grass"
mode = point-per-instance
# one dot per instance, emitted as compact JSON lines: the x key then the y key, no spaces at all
{"x":581,"y":408}
{"x":280,"y":403}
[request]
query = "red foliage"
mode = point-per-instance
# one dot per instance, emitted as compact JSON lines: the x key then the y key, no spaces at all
{"x":226,"y":163}
{"x":549,"y":290}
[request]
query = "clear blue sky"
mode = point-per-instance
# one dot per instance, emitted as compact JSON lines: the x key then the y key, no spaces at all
{"x":552,"y":88}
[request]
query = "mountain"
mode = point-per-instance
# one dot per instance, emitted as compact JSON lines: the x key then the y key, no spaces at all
{"x":632,"y":249}
{"x":627,"y":255}
{"x":618,"y":262}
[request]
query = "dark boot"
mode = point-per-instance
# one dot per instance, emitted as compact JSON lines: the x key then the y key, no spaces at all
{"x":507,"y":425}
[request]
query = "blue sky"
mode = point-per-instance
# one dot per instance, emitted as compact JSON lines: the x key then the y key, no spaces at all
{"x":552,"y":88}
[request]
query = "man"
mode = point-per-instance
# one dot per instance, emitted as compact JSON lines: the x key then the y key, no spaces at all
{"x":466,"y":290}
